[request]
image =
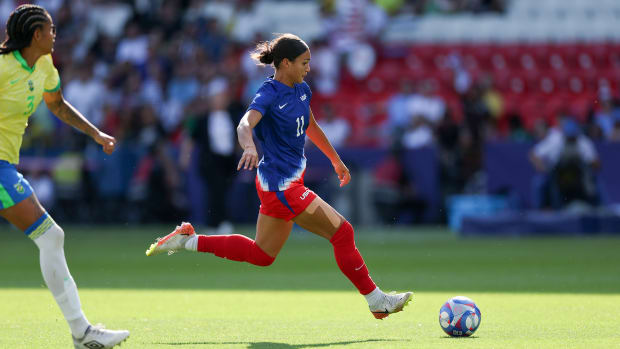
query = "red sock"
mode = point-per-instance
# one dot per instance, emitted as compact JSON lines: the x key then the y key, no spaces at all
{"x":234,"y":247}
{"x":349,"y":259}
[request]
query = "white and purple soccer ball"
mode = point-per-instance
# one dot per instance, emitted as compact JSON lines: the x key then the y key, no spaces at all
{"x":459,"y":317}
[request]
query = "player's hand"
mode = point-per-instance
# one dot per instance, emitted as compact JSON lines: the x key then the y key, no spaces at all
{"x":343,"y":173}
{"x":107,"y":142}
{"x":249,"y":159}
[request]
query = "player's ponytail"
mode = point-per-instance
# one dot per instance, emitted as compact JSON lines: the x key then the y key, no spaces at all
{"x":287,"y":46}
{"x":20,"y":27}
{"x":263,"y":53}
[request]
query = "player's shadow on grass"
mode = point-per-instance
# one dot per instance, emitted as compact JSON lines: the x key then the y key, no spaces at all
{"x":272,"y":345}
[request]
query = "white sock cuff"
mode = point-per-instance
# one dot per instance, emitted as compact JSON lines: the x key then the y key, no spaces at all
{"x":192,"y":243}
{"x":42,"y":225}
{"x":374,"y":295}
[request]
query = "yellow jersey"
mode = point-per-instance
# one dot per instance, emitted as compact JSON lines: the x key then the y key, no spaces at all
{"x":21,"y":91}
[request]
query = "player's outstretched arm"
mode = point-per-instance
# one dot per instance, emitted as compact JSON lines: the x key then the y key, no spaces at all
{"x":71,"y":116}
{"x":249,"y":159}
{"x":317,"y":136}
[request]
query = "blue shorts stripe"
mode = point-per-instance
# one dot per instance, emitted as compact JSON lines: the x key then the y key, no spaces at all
{"x":39,"y":227}
{"x":282,"y":198}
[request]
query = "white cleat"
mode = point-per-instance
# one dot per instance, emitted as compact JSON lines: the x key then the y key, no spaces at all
{"x":97,"y":337}
{"x":390,"y":304}
{"x":172,"y":242}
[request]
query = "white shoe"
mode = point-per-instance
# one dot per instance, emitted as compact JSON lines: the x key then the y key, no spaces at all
{"x":97,"y":337}
{"x":390,"y":304}
{"x":172,"y":242}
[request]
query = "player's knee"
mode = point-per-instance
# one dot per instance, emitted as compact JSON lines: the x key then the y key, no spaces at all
{"x":56,"y":236}
{"x":344,"y":234}
{"x":265,"y":262}
{"x":261,"y":258}
{"x":347,"y":228}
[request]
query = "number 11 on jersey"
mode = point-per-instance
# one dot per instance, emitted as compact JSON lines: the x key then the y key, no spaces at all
{"x":300,"y":125}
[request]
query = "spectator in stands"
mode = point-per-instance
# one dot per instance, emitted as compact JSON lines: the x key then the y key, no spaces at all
{"x":168,"y":17}
{"x":476,"y":112}
{"x":516,"y":131}
{"x":540,"y":129}
{"x":394,"y":194}
{"x":449,"y":151}
{"x":399,"y":116}
{"x":419,"y":133}
{"x":133,"y":48}
{"x":493,"y":100}
{"x":163,"y":53}
{"x":152,"y":91}
{"x":213,"y":40}
{"x":604,"y":118}
{"x":391,"y":7}
{"x":244,"y":22}
{"x":427,"y":104}
{"x":84,"y":91}
{"x":351,"y":26}
{"x":615,"y":132}
{"x":156,"y":182}
{"x":462,"y":78}
{"x":566,"y":160}
{"x":254,"y":74}
{"x":327,"y":72}
{"x":459,"y":6}
{"x":213,"y":134}
{"x":335,"y":127}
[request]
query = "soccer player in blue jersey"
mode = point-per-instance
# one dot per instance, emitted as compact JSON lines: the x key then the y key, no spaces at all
{"x":281,"y":116}
{"x":27,"y":75}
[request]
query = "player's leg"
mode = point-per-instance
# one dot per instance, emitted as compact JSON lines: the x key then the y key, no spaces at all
{"x":29,"y":216}
{"x":321,"y":219}
{"x":271,"y":234}
{"x":272,"y":230}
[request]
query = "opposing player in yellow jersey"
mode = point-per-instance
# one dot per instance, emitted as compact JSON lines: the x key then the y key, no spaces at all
{"x":27,"y":75}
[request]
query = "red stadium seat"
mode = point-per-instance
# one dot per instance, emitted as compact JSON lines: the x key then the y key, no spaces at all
{"x":415,"y":62}
{"x":527,"y":62}
{"x":568,"y":53}
{"x":530,"y":110}
{"x":575,"y":85}
{"x":546,"y":85}
{"x":579,"y":107}
{"x":537,"y":81}
{"x":499,"y":61}
{"x":453,"y":103}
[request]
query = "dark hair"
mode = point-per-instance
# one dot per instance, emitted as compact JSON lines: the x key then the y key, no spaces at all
{"x":20,"y":27}
{"x":287,"y":46}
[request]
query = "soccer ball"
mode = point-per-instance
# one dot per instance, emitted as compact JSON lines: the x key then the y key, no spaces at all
{"x":459,"y":317}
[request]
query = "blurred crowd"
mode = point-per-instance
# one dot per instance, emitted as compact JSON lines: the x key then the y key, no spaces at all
{"x":171,"y":79}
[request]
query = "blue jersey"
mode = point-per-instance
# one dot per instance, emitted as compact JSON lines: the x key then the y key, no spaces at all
{"x":282,"y":133}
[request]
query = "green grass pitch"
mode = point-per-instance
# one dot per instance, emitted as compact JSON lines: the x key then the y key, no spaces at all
{"x":533,"y":293}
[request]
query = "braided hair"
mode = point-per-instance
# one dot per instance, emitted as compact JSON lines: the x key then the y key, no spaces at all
{"x":20,"y":27}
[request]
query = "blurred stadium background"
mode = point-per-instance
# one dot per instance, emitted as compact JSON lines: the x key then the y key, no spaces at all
{"x":434,"y":104}
{"x":483,"y":117}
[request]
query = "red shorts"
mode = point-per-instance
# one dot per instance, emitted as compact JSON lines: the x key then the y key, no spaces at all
{"x":284,"y":204}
